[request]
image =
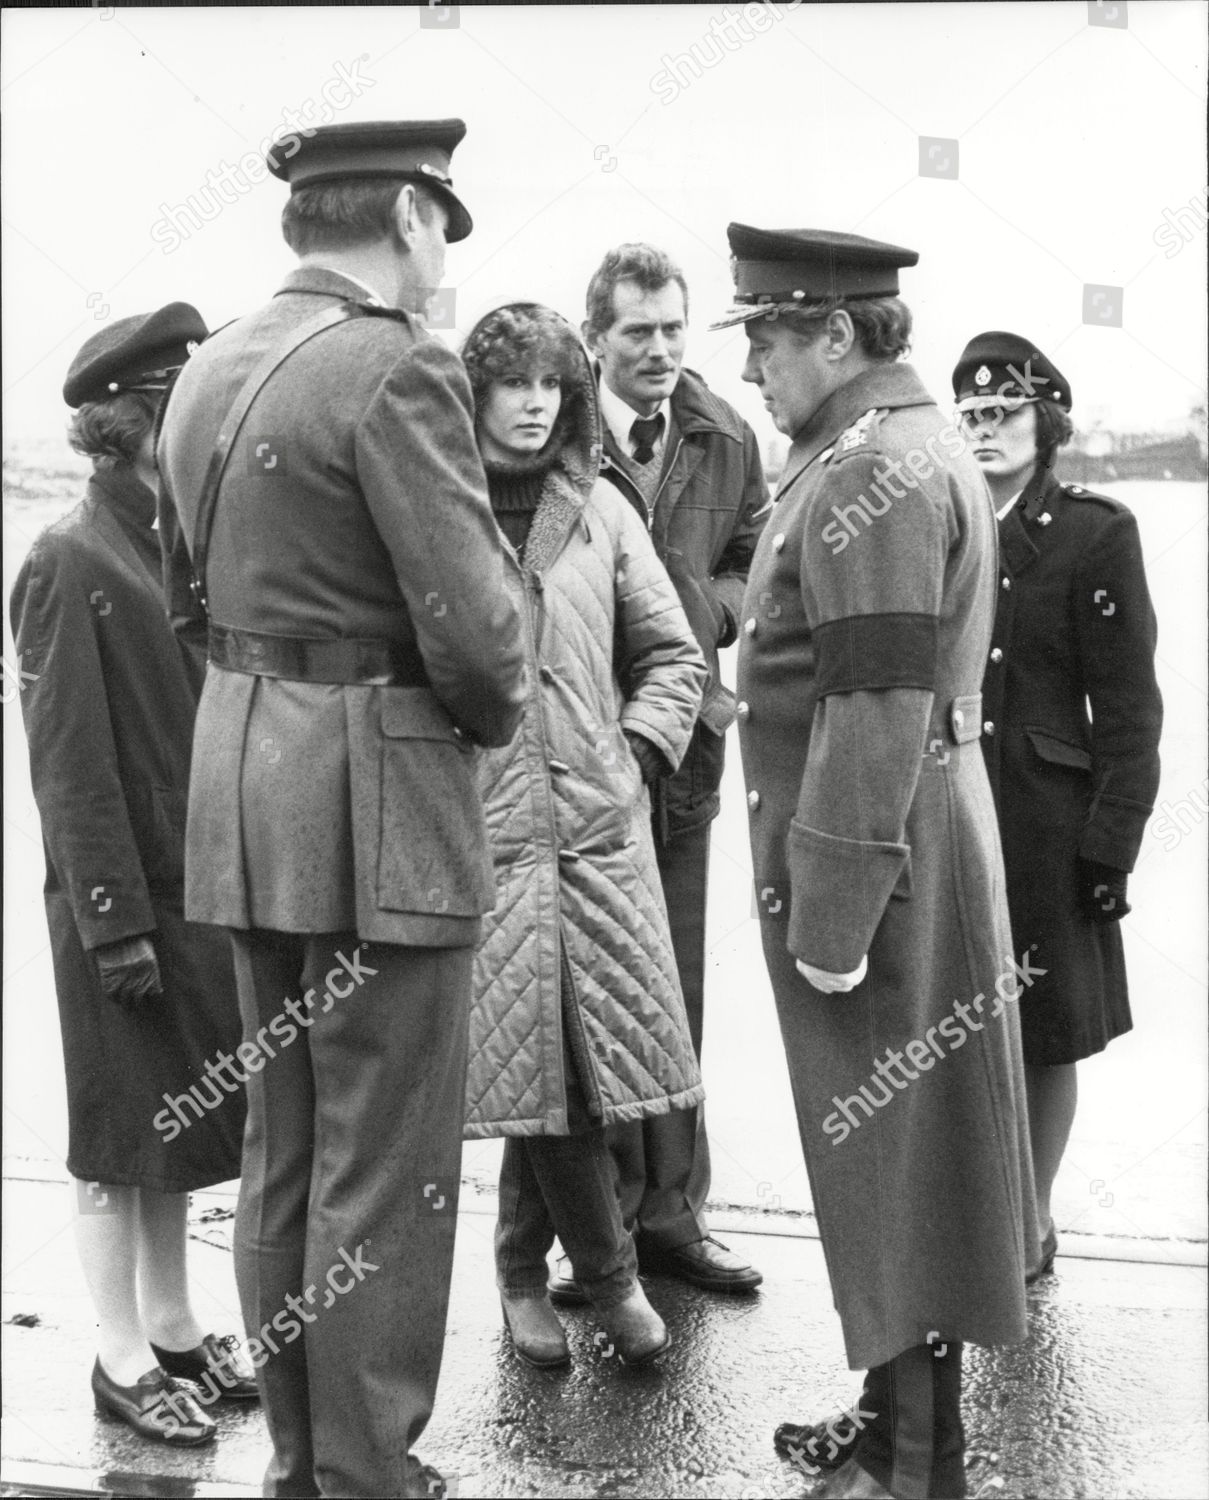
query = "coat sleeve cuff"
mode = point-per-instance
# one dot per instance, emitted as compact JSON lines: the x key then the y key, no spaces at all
{"x":1114,"y":835}
{"x":838,"y":892}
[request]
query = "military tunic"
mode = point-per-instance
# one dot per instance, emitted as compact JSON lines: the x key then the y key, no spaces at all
{"x":1074,"y":627}
{"x":866,"y":627}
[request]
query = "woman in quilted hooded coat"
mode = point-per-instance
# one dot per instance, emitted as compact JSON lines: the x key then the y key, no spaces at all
{"x":578,"y":1019}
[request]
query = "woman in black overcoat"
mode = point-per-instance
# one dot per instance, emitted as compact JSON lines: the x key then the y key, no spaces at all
{"x":1072,"y":715}
{"x":145,"y":998}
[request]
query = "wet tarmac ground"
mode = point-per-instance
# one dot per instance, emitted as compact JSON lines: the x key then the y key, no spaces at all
{"x":1107,"y":1398}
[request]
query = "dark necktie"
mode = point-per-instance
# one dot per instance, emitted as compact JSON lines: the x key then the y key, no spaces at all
{"x":644,"y":434}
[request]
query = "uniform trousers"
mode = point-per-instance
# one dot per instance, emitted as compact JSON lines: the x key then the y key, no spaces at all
{"x":344,"y":1233}
{"x":662,"y":1164}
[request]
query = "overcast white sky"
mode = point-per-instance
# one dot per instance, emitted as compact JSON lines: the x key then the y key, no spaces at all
{"x":1080,"y":161}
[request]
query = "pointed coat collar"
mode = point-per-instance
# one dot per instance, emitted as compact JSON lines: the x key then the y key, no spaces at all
{"x":882,"y":385}
{"x":1017,"y":549}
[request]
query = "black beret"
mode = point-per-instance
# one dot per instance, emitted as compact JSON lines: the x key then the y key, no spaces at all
{"x":787,"y":268}
{"x":134,"y":353}
{"x":406,"y":150}
{"x":1003,"y":369}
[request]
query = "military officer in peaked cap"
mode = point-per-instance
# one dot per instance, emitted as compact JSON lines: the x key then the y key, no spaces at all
{"x":877,"y":868}
{"x":1072,"y":720}
{"x":326,"y":521}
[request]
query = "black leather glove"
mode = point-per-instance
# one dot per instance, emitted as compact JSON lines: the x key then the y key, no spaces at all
{"x":130,"y":972}
{"x":650,"y":759}
{"x":1102,"y":891}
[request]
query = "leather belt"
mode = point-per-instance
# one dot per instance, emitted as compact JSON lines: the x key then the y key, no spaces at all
{"x":353,"y":662}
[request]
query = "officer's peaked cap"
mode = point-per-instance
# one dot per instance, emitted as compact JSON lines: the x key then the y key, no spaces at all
{"x":137,"y":353}
{"x":406,"y":150}
{"x":1004,"y":369}
{"x":780,"y":269}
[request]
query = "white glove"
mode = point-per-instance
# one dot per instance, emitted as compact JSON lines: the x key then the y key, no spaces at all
{"x":831,"y":984}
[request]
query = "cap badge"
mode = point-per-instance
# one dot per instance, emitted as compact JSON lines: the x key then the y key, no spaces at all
{"x":982,"y":376}
{"x":192,"y":347}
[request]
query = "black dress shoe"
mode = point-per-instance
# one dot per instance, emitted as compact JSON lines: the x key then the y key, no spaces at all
{"x":1049,"y":1248}
{"x":563,"y":1287}
{"x":155,"y":1406}
{"x":704,"y":1263}
{"x":819,"y":1446}
{"x":216,"y":1365}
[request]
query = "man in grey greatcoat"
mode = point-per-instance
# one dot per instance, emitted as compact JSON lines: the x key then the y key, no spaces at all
{"x":875,"y":852}
{"x":361,"y":642}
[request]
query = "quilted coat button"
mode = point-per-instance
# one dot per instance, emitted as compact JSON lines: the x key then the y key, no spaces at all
{"x":749,"y":626}
{"x":778,"y":541}
{"x":743,"y":711}
{"x":996,"y":655}
{"x":753,"y":800}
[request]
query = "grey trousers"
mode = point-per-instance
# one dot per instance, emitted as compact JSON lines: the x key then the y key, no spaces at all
{"x":663,"y":1170}
{"x":344,"y":1233}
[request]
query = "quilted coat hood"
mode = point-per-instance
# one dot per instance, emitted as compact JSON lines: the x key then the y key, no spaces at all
{"x":577,"y":436}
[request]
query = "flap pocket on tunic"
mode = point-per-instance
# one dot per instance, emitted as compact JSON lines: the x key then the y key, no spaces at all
{"x":433,"y":857}
{"x":1058,"y":752}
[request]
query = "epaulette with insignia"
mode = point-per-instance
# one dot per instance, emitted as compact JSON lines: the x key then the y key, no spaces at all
{"x":1077,"y":492}
{"x":861,"y":437}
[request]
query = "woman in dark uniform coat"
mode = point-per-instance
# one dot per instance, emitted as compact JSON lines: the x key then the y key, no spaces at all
{"x":1073,"y":758}
{"x":146,"y":999}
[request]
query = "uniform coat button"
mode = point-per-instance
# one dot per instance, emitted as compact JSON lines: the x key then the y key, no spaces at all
{"x":1007,"y":583}
{"x":988,"y":728}
{"x":958,"y":718}
{"x":743,"y":711}
{"x":753,"y":800}
{"x":749,"y":626}
{"x":996,"y":654}
{"x":778,"y":541}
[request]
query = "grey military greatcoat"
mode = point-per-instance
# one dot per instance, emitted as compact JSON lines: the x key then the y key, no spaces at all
{"x":867,"y":622}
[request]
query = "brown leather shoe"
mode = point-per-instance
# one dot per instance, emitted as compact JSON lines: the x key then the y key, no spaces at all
{"x":155,"y":1406}
{"x":537,"y":1335}
{"x":563,"y":1287}
{"x":631,"y":1329}
{"x":216,"y":1365}
{"x":704,"y":1263}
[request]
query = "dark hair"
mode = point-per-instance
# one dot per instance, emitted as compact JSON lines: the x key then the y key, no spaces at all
{"x":648,"y":268}
{"x":1054,"y":431}
{"x":882,"y":325}
{"x":111,"y":432}
{"x":342,"y":215}
{"x":514,"y":339}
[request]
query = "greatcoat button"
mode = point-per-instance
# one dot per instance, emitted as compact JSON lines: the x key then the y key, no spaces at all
{"x":988,"y":728}
{"x":749,"y":626}
{"x":778,"y":541}
{"x":996,"y":654}
{"x":753,"y":800}
{"x":743,"y":711}
{"x":958,"y":718}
